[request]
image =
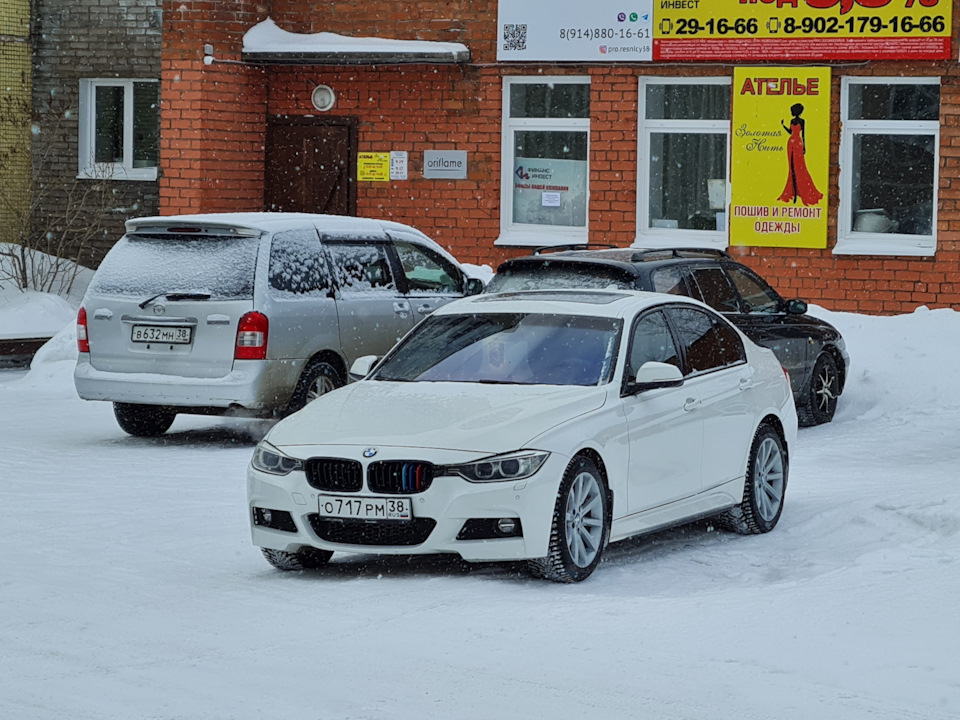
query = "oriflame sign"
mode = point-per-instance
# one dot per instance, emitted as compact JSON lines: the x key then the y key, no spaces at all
{"x":780,"y":156}
{"x":802,"y":29}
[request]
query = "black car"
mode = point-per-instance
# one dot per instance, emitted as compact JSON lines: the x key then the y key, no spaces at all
{"x":810,"y":349}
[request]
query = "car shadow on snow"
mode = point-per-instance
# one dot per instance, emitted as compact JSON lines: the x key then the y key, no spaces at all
{"x":675,"y":543}
{"x":222,"y":436}
{"x":349,"y":566}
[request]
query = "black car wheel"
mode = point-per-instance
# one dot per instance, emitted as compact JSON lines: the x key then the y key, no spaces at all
{"x":821,"y":402}
{"x":143,"y":420}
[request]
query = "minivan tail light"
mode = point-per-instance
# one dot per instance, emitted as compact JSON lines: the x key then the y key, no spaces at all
{"x":252,"y":337}
{"x":83,"y":344}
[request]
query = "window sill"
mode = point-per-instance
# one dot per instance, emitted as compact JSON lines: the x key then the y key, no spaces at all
{"x":548,"y":237}
{"x":880,"y":244}
{"x":119,"y":174}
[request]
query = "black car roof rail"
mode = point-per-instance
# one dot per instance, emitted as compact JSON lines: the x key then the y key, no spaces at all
{"x":641,"y":254}
{"x":571,"y":246}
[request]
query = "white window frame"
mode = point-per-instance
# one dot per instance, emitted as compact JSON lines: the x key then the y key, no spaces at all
{"x":861,"y":243}
{"x":651,"y":237}
{"x":522,"y":234}
{"x":86,"y":167}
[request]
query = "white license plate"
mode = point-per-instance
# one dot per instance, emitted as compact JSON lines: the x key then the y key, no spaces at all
{"x":365,"y":508}
{"x":161,"y":334}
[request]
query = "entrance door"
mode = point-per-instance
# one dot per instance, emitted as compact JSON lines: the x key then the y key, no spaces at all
{"x":309,"y":166}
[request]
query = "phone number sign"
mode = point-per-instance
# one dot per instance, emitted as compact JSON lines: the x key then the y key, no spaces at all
{"x":802,"y":29}
{"x":597,"y":31}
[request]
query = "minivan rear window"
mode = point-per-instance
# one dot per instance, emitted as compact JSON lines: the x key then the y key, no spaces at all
{"x":145,"y":265}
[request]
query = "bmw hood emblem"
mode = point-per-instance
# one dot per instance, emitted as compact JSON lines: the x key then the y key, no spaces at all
{"x":369,"y":452}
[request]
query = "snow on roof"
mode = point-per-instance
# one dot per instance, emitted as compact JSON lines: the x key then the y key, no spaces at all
{"x":266,"y":42}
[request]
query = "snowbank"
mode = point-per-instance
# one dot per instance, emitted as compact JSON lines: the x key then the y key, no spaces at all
{"x":33,"y":315}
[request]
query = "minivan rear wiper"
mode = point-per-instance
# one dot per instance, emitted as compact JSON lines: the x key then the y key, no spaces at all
{"x":176,"y":296}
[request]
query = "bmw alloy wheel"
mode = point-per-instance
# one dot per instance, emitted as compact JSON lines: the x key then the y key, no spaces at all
{"x":584,"y":519}
{"x":768,"y":479}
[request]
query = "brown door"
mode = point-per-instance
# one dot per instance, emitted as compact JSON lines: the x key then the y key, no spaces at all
{"x":309,"y":166}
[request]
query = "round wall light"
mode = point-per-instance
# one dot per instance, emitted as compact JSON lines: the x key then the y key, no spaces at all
{"x":323,"y":97}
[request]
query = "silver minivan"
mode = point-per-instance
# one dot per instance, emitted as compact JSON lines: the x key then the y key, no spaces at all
{"x":250,"y":314}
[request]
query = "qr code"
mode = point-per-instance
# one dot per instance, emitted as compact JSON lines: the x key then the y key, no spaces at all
{"x":514,"y":37}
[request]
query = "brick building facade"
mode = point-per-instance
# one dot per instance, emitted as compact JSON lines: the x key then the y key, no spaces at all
{"x":96,"y":69}
{"x":224,"y":119}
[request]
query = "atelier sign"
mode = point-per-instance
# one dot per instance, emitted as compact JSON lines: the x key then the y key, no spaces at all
{"x":445,"y":164}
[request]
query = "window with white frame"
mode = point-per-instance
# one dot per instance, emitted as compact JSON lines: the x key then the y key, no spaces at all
{"x":889,"y":148}
{"x":119,"y":129}
{"x":684,"y":152}
{"x":545,"y":151}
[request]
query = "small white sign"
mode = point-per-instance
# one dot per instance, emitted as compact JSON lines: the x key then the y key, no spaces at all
{"x":445,"y":164}
{"x":398,"y":165}
{"x":550,"y":199}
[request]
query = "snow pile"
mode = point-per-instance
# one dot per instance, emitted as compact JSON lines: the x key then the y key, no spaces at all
{"x":70,"y":282}
{"x":33,"y":315}
{"x":900,"y":365}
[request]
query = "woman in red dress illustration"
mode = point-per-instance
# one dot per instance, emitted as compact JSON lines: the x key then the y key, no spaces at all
{"x":799,"y":183}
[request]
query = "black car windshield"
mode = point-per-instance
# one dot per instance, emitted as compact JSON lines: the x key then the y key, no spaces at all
{"x":507,"y":348}
{"x":551,"y":276}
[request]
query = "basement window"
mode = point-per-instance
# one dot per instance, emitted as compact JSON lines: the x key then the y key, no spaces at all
{"x":119,"y":129}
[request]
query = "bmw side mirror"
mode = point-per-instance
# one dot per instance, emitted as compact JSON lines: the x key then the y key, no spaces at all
{"x":652,"y":376}
{"x":361,"y":367}
{"x":474,"y":286}
{"x":796,"y":307}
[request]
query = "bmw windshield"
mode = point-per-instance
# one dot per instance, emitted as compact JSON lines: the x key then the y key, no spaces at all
{"x":507,"y":348}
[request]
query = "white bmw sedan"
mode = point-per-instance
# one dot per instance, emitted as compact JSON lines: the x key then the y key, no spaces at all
{"x":534,"y":426}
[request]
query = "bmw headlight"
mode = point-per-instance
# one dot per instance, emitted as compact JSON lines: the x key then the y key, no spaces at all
{"x":266,"y":458}
{"x":512,"y":466}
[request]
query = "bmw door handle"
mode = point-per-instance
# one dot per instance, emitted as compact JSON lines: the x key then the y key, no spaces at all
{"x":425,"y":309}
{"x":746,"y":383}
{"x":691,"y":404}
{"x":401,"y":308}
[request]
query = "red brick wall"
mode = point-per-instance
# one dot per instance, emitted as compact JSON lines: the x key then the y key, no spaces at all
{"x":212,"y":117}
{"x":214,"y":120}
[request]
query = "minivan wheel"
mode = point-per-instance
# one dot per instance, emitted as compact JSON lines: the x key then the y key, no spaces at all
{"x":821,"y":401}
{"x":763,"y":490}
{"x":143,"y":420}
{"x":580,"y":525}
{"x":318,"y":378}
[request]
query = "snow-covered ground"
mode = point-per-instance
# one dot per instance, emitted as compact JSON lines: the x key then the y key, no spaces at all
{"x":129,"y":588}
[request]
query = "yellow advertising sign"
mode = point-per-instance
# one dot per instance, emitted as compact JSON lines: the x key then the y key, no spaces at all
{"x":780,"y":156}
{"x":802,"y":29}
{"x":373,"y":167}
